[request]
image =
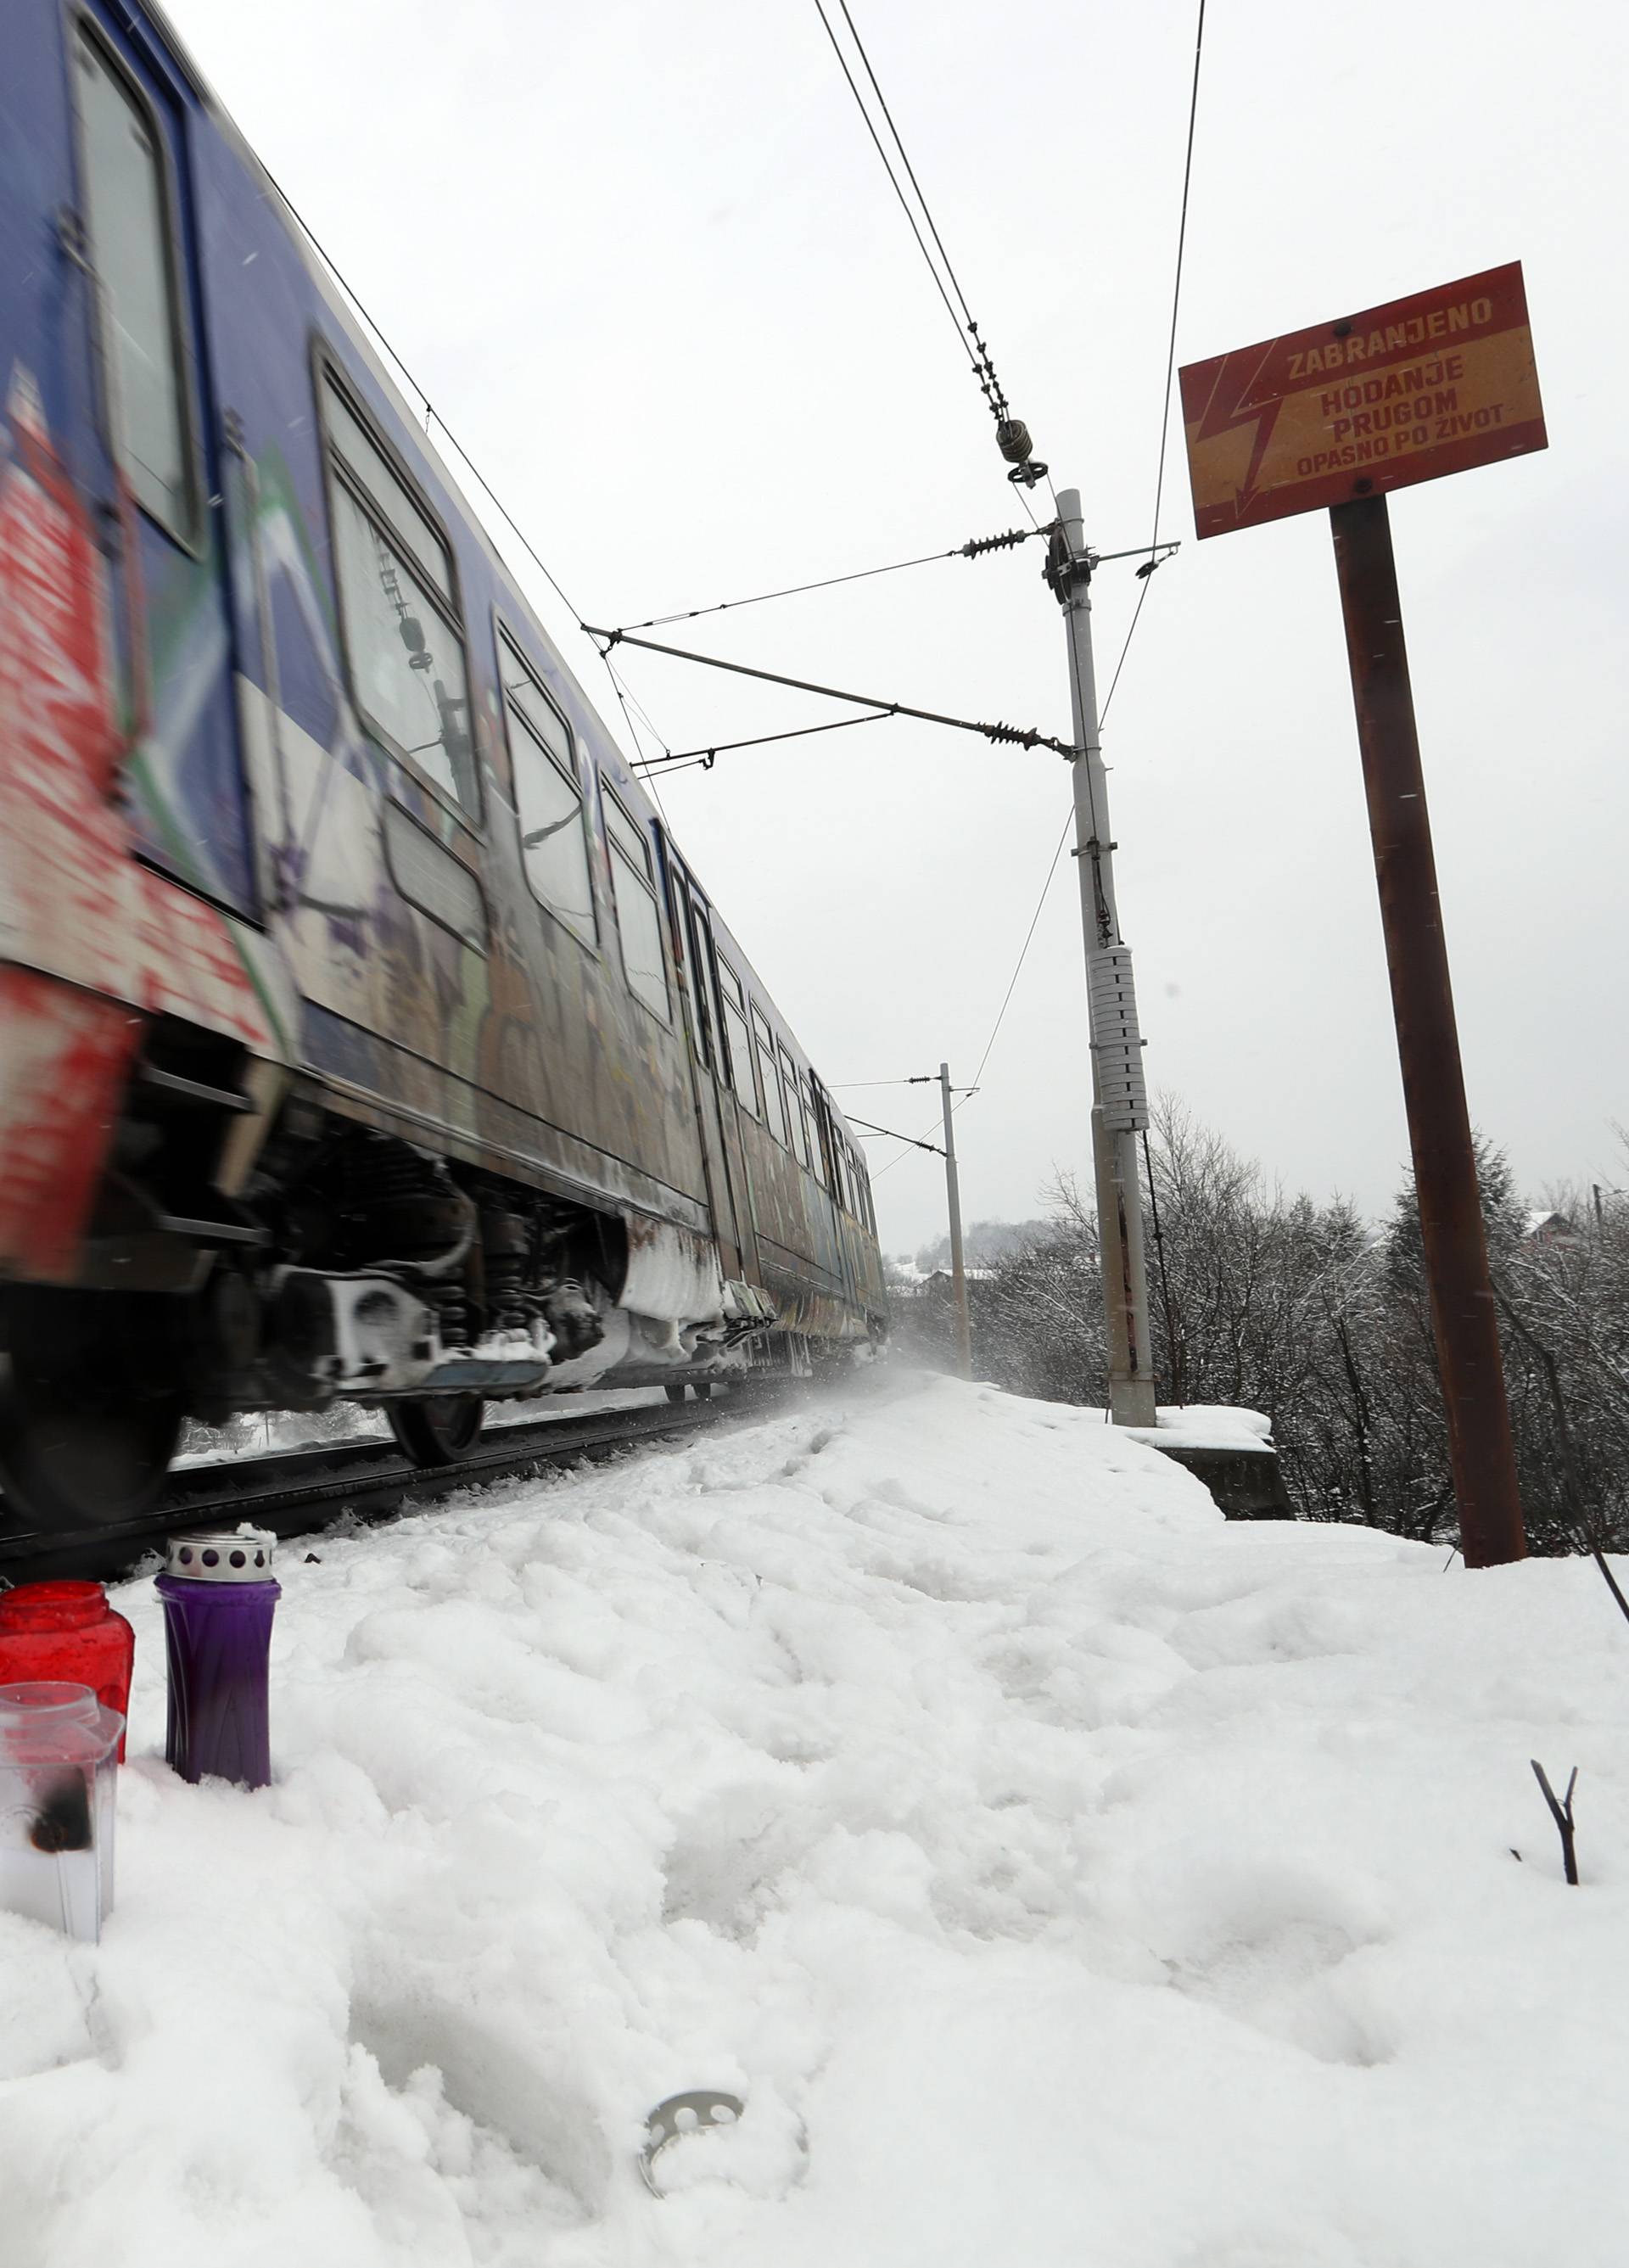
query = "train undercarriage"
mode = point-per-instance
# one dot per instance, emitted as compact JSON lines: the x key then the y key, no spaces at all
{"x":350,"y":1264}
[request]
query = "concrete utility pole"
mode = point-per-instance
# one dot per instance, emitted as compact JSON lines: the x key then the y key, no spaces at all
{"x":1120,"y":1100}
{"x":958,"y":1271}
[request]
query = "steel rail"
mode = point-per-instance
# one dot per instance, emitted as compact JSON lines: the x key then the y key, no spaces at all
{"x":296,"y":1493}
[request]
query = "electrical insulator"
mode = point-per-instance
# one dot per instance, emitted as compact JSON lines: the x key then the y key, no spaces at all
{"x":1117,"y":1044}
{"x":1013,"y":441}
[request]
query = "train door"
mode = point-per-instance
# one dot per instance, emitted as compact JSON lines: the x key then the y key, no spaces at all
{"x":690,"y":922}
{"x":130,"y":236}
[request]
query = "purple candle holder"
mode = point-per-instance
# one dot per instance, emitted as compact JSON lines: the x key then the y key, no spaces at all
{"x":219,"y":1596}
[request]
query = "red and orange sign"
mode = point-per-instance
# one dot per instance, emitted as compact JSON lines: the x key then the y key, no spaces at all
{"x":1404,"y":393}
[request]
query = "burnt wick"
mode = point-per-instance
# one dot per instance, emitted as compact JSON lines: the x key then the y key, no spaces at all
{"x":63,"y":1820}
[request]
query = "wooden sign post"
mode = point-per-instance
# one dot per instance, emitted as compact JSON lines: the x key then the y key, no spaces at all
{"x":1336,"y":416}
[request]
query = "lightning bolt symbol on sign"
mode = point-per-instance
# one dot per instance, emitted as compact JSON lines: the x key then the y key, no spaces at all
{"x":1221,"y":413}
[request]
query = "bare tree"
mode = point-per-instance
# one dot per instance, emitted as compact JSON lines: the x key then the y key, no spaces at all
{"x":1307,"y":1312}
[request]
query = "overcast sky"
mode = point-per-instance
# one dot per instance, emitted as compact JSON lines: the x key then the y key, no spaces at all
{"x":647,"y":264}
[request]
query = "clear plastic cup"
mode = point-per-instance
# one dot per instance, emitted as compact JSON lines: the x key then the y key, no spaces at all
{"x":58,"y":1758}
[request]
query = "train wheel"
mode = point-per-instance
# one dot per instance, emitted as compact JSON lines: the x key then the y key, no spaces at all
{"x":440,"y":1429}
{"x":674,"y":1390}
{"x":91,"y":1406}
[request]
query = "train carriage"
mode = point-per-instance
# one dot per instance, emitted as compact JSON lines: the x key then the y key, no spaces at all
{"x":362,"y":1032}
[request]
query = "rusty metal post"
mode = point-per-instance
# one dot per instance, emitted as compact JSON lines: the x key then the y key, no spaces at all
{"x":1466,"y":1328}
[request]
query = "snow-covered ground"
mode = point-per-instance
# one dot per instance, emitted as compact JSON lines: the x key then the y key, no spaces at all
{"x":1059,"y":1875}
{"x":1205,"y":1425}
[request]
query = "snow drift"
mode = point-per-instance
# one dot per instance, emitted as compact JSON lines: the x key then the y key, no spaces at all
{"x":1058,"y":1875}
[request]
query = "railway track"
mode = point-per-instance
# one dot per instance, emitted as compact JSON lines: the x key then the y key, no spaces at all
{"x":298,"y":1491}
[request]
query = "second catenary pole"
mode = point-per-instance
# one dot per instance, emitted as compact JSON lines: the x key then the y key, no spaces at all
{"x":958,"y":1266}
{"x":1119,"y":1096}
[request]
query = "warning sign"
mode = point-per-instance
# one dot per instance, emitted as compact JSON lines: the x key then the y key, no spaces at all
{"x":1427,"y":386}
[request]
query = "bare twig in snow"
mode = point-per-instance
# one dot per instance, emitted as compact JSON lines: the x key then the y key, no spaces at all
{"x":1562,"y":1814}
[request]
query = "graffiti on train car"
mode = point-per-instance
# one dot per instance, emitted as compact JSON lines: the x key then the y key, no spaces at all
{"x":517,"y":1014}
{"x":90,"y":933}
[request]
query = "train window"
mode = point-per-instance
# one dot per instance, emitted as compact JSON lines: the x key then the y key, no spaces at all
{"x":549,"y":798}
{"x":828,"y":1146}
{"x":862,"y":1183}
{"x":403,"y":637}
{"x":430,"y":878}
{"x":795,"y":1119}
{"x":127,"y":215}
{"x":774,"y":1101}
{"x":811,"y":1139}
{"x":633,"y":886}
{"x":701,"y":1007}
{"x":360,"y":451}
{"x":737,"y":1040}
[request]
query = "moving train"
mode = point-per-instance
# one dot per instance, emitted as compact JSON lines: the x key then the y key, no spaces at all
{"x":364,"y":1033}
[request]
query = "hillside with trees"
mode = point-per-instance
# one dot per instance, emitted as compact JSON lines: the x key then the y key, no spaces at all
{"x":1304,"y":1310}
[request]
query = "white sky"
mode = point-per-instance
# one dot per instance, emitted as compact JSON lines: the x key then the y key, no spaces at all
{"x":646,"y":261}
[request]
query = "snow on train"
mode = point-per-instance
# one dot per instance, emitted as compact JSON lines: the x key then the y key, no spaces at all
{"x":362,"y":1033}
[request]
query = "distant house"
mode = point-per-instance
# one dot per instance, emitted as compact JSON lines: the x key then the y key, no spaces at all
{"x":1549,"y":1228}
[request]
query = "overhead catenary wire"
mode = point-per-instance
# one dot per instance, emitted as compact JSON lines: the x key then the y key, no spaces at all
{"x":889,"y":1133}
{"x":431,"y":412}
{"x":633,"y":730}
{"x":1023,"y":736}
{"x":1146,"y":572}
{"x":977,"y":547}
{"x":623,"y":698}
{"x":702,"y":759}
{"x":1023,"y":950}
{"x":977,"y":355}
{"x":1058,"y":849}
{"x":1034,"y":918}
{"x":905,"y":203}
{"x":955,"y":281}
{"x":638,"y":706}
{"x":967,"y":333}
{"x":1154,"y":547}
{"x":1176,"y":285}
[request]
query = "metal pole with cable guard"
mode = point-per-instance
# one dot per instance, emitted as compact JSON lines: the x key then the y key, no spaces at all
{"x":1119,"y":1092}
{"x":958,"y":1266}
